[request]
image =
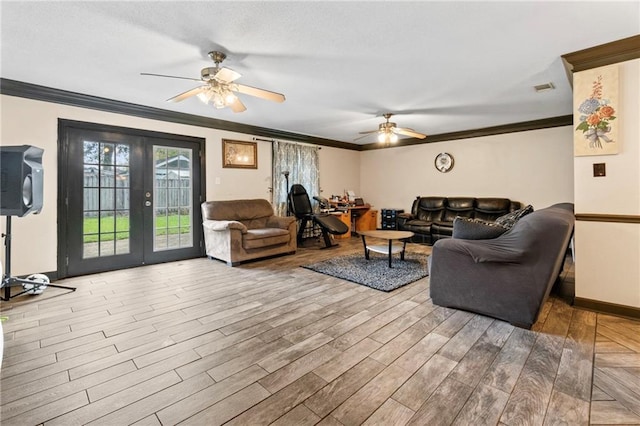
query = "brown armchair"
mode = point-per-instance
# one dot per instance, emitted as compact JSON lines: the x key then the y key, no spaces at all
{"x":240,"y":230}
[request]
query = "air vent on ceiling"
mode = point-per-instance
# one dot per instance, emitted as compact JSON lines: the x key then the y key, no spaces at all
{"x":544,"y":87}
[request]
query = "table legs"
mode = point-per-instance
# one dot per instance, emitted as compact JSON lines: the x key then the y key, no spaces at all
{"x":366,"y":250}
{"x":390,"y":250}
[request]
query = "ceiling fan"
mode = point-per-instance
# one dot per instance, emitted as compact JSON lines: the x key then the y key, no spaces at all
{"x":218,"y":86}
{"x":388,"y":132}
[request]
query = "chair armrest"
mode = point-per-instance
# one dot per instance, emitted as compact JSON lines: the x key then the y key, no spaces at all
{"x":223,"y":225}
{"x":281,"y":222}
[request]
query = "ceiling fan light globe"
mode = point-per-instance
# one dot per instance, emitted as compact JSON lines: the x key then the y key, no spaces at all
{"x":393,"y":138}
{"x":218,"y":101}
{"x":205,"y":96}
{"x":382,"y":137}
{"x":229,"y":98}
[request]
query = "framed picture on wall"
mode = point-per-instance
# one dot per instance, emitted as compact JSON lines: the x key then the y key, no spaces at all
{"x":239,"y":155}
{"x":596,"y":111}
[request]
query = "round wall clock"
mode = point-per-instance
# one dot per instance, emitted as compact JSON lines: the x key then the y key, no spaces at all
{"x":444,"y":162}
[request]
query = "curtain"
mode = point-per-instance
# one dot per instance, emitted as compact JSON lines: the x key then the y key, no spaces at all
{"x":301,"y":161}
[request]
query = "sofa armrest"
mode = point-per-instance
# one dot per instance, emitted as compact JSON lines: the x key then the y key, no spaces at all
{"x":223,"y":225}
{"x":497,"y":250}
{"x":402,"y":218}
{"x":282,"y":222}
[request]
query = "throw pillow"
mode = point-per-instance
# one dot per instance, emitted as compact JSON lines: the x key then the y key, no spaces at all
{"x":476,"y":229}
{"x":510,"y":219}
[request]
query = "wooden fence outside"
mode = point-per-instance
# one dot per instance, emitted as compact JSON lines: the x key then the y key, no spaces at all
{"x":105,"y":193}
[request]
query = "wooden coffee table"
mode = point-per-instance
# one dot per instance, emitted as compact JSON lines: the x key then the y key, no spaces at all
{"x":389,"y":248}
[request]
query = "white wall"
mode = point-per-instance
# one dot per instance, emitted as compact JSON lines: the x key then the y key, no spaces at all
{"x":534,"y":167}
{"x":339,"y":171}
{"x":608,"y":254}
{"x":29,"y":122}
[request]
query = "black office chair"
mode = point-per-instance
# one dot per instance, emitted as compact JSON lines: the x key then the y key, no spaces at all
{"x":301,"y":208}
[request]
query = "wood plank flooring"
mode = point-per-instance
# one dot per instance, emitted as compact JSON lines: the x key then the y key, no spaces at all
{"x":196,"y":342}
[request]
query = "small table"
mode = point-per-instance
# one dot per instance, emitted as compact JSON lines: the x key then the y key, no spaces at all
{"x":390,"y":248}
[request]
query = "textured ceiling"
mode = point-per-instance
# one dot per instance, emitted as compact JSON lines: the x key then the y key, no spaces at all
{"x":440,"y":66}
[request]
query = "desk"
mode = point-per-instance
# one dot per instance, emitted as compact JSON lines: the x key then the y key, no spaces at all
{"x":358,"y":218}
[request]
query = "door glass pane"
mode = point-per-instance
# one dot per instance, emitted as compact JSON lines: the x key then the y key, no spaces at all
{"x":107,"y":245}
{"x":173,"y":214}
{"x":122,"y":243}
{"x":106,"y":230}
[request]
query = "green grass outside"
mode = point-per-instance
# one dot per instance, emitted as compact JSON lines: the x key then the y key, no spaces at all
{"x":118,"y":227}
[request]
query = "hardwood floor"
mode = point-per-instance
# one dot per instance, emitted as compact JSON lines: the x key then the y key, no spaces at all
{"x":616,"y":382}
{"x":197,"y":342}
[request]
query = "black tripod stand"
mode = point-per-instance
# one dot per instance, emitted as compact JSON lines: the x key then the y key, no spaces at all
{"x":286,"y":177}
{"x":8,"y":280}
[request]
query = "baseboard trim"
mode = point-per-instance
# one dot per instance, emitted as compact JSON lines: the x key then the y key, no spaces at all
{"x":607,"y":308}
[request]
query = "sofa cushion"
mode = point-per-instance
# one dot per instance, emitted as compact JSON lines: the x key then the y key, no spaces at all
{"x":255,"y":223}
{"x":265,"y":237}
{"x":458,"y":206}
{"x":492,"y":208}
{"x":429,"y":209}
{"x":476,"y":229}
{"x":510,"y":219}
{"x":241,"y":210}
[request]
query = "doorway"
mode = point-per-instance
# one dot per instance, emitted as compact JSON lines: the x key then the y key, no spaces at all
{"x":127,"y":197}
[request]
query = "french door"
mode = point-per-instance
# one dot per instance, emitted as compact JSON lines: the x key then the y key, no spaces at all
{"x":127,"y":198}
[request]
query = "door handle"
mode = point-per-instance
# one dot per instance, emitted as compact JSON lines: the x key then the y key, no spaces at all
{"x":147,"y":203}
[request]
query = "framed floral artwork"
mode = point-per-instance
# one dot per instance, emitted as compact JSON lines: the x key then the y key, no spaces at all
{"x":595,"y":99}
{"x":239,"y":155}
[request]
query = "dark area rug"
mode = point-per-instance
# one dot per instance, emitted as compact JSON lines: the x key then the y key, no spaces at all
{"x":375,"y":272}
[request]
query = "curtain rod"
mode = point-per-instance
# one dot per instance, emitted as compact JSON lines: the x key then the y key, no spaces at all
{"x":297,"y":143}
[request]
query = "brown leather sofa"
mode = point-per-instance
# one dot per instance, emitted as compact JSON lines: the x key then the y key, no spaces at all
{"x":431,"y":218}
{"x":240,"y":230}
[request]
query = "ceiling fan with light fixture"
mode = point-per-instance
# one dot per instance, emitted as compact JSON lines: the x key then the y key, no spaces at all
{"x":218,"y":86}
{"x":388,"y":132}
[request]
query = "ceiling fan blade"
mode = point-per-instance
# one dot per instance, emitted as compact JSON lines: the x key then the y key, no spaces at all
{"x":237,"y":106}
{"x":227,"y":75}
{"x":170,"y":76}
{"x":369,"y":132}
{"x":184,"y":95}
{"x":408,"y":132}
{"x":260,"y":93}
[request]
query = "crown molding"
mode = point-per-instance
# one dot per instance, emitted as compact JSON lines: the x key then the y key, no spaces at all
{"x":622,"y":50}
{"x":48,"y":94}
{"x":545,"y":123}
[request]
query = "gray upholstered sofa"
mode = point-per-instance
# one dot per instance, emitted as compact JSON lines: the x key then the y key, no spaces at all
{"x":239,"y":230}
{"x":508,"y":277}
